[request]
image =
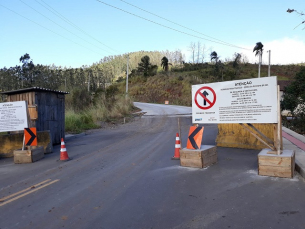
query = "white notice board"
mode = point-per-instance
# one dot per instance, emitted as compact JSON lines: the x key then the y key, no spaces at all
{"x":13,"y":116}
{"x":238,"y":101}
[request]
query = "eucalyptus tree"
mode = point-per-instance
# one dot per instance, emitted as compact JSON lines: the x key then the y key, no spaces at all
{"x":236,"y":62}
{"x":26,"y":69}
{"x":258,"y":49}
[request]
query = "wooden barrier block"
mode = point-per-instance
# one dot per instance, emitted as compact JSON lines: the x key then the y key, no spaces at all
{"x":198,"y":158}
{"x":276,"y":165}
{"x":28,"y":155}
{"x":11,"y":142}
{"x":235,"y":136}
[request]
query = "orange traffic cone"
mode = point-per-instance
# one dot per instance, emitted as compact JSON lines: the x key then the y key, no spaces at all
{"x":63,"y":151}
{"x":177,"y":148}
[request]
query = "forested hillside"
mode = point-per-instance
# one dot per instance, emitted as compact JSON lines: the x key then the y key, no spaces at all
{"x":97,"y":92}
{"x":153,"y":76}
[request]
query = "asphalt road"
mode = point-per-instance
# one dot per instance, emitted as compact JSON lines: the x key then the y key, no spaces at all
{"x":124,"y":178}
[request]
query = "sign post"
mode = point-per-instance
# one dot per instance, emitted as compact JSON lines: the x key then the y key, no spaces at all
{"x":240,"y":101}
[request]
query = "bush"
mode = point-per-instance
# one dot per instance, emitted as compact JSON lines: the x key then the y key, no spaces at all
{"x":76,"y":123}
{"x":78,"y":100}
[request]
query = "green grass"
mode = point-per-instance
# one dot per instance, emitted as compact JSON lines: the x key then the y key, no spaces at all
{"x":78,"y":122}
{"x":115,"y":111}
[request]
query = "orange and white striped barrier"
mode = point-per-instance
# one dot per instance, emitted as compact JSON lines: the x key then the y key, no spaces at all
{"x":63,"y":151}
{"x":177,"y":148}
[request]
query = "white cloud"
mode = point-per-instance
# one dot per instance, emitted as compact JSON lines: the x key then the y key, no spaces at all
{"x":283,"y":51}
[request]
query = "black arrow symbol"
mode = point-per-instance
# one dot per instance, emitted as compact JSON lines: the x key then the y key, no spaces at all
{"x":205,"y":95}
{"x":192,"y":135}
{"x":33,"y":136}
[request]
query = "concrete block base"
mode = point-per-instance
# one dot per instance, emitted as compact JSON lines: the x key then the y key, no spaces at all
{"x":28,"y":155}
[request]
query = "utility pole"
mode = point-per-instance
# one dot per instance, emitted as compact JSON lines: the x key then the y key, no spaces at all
{"x":127,"y":77}
{"x":88,"y":81}
{"x":269,"y":63}
{"x":259,"y":65}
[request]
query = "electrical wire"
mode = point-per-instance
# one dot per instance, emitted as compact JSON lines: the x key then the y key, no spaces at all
{"x":52,"y":10}
{"x":176,"y":23}
{"x":170,"y":27}
{"x":62,"y":26}
{"x":49,"y":29}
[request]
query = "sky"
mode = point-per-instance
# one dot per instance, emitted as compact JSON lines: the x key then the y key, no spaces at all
{"x":74,"y":33}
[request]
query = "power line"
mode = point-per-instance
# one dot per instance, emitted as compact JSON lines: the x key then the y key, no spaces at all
{"x":177,"y":23}
{"x":52,"y":10}
{"x":170,"y":27}
{"x":49,"y":29}
{"x":61,"y":26}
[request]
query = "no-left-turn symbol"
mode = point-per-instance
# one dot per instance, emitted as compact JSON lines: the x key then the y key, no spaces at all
{"x":205,"y":98}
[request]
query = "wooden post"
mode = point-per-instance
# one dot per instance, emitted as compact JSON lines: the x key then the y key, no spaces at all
{"x":277,"y":127}
{"x":23,"y":141}
{"x":179,"y":130}
{"x":278,"y":142}
{"x":256,"y":136}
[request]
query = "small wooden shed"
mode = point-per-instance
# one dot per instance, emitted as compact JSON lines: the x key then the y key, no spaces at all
{"x":46,"y":108}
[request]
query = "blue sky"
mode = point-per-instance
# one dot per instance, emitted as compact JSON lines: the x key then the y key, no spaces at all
{"x":98,"y":30}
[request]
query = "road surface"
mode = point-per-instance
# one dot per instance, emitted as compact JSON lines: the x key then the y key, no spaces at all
{"x":124,"y":177}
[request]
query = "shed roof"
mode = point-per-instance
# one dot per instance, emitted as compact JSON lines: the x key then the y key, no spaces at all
{"x":24,"y":90}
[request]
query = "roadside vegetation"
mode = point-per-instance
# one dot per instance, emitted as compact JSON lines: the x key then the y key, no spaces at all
{"x":294,"y":102}
{"x":97,"y":93}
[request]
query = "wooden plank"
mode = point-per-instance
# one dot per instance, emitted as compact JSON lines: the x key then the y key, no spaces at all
{"x":234,"y":135}
{"x":209,"y":152}
{"x":191,"y":163}
{"x":275,"y":161}
{"x":30,"y":99}
{"x":209,"y":160}
{"x":206,"y":156}
{"x":261,"y":133}
{"x":190,"y":155}
{"x":22,"y":156}
{"x":37,"y":153}
{"x":256,"y":136}
{"x":275,"y":171}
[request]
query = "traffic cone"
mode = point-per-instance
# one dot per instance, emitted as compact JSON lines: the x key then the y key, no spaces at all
{"x":63,"y":151}
{"x":177,"y":148}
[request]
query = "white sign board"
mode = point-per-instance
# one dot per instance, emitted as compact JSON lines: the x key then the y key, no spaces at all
{"x":13,"y":116}
{"x":238,"y":101}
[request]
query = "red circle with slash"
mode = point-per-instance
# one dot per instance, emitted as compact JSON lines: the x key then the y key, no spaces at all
{"x":204,"y":96}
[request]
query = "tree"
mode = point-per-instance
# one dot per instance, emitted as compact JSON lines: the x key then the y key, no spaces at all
{"x":294,"y":100}
{"x":164,"y":63}
{"x":146,"y":67}
{"x":294,"y":94}
{"x":258,"y":49}
{"x":219,"y":66}
{"x":198,"y":51}
{"x":236,"y":62}
{"x":27,"y":68}
{"x":214,"y":56}
{"x":203,"y":50}
{"x":192,"y":48}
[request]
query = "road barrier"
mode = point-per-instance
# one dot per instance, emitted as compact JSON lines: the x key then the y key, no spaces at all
{"x":63,"y":151}
{"x":177,"y":148}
